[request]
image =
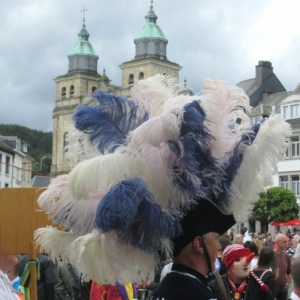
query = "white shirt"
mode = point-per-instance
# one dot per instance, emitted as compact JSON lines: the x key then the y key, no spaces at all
{"x":247,"y":237}
{"x":166,"y":269}
{"x":294,"y":296}
{"x":253,"y":264}
{"x":6,"y":289}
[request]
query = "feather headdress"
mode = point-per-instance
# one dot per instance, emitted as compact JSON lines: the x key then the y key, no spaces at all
{"x":145,"y":170}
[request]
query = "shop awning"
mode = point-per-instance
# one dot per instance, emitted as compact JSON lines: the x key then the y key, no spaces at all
{"x":286,"y":223}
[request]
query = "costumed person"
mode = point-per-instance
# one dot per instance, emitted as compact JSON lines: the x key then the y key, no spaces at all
{"x":148,"y":169}
{"x":239,"y":282}
{"x":113,"y":291}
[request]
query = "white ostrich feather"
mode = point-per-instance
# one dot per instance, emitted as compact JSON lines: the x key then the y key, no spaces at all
{"x":111,"y":261}
{"x":267,"y":149}
{"x":224,"y":104}
{"x":56,"y":243}
{"x":180,"y":100}
{"x":154,"y":91}
{"x":59,"y":204}
{"x":158,"y":129}
{"x":101,"y":173}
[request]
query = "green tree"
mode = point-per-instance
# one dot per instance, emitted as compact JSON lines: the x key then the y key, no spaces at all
{"x":276,"y":204}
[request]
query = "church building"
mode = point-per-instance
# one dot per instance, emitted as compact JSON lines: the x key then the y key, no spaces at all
{"x":82,"y":79}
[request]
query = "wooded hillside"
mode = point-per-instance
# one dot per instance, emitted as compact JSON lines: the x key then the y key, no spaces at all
{"x":40,"y":144}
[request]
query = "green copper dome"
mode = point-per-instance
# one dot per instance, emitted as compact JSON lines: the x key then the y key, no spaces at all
{"x":150,"y":29}
{"x":83,"y":46}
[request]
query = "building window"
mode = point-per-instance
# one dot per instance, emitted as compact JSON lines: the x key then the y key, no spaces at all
{"x":0,"y":162}
{"x":93,"y":89}
{"x":72,"y":91}
{"x":66,"y":141}
{"x":284,"y":181}
{"x":285,"y":111}
{"x":295,"y":146}
{"x":295,"y":111}
{"x":295,"y":184}
{"x":63,"y":93}
{"x":131,"y":79}
{"x":7,"y":165}
{"x":18,"y":174}
{"x":141,"y":75}
{"x":6,"y":184}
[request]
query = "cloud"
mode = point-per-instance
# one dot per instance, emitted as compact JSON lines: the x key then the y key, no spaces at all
{"x":216,"y":39}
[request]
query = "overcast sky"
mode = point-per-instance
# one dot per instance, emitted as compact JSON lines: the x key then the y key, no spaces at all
{"x":216,"y":39}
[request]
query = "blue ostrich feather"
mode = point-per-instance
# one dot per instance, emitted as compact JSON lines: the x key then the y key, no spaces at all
{"x":129,"y":208}
{"x":193,"y":119}
{"x":110,"y":121}
{"x":235,"y":158}
{"x":193,"y":150}
{"x":194,"y":164}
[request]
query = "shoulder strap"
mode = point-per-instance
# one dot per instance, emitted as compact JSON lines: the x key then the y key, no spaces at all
{"x":221,"y":286}
{"x":262,"y":275}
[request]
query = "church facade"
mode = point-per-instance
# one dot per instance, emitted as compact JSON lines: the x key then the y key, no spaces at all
{"x":82,"y":79}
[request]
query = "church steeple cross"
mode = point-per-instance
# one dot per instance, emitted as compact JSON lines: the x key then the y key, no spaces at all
{"x":84,"y":10}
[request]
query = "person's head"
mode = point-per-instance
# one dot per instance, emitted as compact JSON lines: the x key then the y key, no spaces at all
{"x":281,"y":242}
{"x":267,"y":260}
{"x":269,"y":237}
{"x":239,"y":239}
{"x":296,"y":271}
{"x":237,"y":260}
{"x":294,"y":244}
{"x":200,"y":254}
{"x":224,"y":242}
{"x":260,"y":245}
{"x":14,"y":272}
{"x":252,"y":247}
{"x":7,"y":261}
{"x":197,"y":246}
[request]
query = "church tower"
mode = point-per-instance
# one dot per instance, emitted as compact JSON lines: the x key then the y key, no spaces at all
{"x":72,"y":89}
{"x":150,"y":55}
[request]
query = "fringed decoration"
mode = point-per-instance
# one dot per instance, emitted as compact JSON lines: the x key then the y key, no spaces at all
{"x":263,"y":286}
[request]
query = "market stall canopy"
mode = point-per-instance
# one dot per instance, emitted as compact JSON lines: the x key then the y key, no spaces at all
{"x":286,"y":223}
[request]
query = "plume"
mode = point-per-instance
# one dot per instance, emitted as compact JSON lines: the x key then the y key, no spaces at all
{"x":253,"y":177}
{"x":225,"y":105}
{"x":129,"y":208}
{"x":109,"y":123}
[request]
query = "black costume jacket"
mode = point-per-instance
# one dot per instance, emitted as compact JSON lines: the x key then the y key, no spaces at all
{"x":183,"y":283}
{"x":253,"y":289}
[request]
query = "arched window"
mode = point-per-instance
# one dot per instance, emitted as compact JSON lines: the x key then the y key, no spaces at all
{"x":63,"y":93}
{"x":131,"y":79}
{"x":141,"y":75}
{"x":72,"y":91}
{"x":93,"y":89}
{"x":66,"y":142}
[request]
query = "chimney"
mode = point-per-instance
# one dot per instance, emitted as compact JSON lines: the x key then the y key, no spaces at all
{"x":263,"y":70}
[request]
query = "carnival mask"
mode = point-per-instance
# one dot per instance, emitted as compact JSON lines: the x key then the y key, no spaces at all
{"x":241,"y":266}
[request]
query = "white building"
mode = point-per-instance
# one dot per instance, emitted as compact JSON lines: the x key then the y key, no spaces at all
{"x":15,"y":164}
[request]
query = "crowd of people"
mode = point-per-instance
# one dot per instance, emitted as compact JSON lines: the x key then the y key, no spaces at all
{"x":262,"y":267}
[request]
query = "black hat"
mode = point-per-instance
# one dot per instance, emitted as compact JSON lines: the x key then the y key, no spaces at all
{"x":203,"y":218}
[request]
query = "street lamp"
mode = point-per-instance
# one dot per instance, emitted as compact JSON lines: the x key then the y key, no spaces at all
{"x":41,"y":162}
